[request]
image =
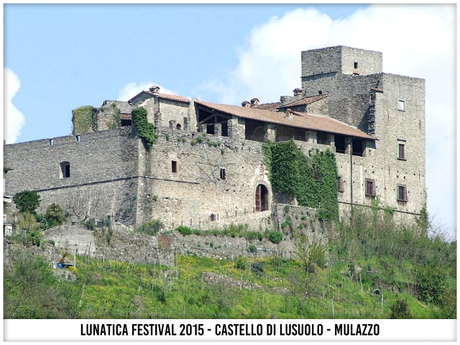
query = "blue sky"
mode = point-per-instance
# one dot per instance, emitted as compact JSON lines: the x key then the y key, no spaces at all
{"x":60,"y":57}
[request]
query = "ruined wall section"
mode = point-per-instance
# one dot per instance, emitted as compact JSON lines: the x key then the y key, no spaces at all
{"x":108,"y":115}
{"x":102,"y":167}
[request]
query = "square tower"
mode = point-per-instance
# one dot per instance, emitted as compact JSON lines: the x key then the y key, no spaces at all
{"x":342,"y":60}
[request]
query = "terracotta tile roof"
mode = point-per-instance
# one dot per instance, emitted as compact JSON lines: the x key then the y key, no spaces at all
{"x":125,"y":116}
{"x":162,"y":95}
{"x":171,"y":97}
{"x":269,"y":106}
{"x":304,"y":100}
{"x":299,"y":120}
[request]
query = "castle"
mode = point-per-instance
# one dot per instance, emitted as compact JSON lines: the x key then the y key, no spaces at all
{"x":206,"y":167}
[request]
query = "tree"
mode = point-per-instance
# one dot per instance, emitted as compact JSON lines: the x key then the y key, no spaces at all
{"x":27,"y":201}
{"x":54,"y":215}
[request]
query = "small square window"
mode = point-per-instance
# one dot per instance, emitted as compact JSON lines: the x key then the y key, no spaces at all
{"x":370,"y":187}
{"x":402,"y":193}
{"x":401,"y":105}
{"x":174,"y":166}
{"x":222,"y":174}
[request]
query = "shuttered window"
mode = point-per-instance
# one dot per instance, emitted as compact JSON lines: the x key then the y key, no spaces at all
{"x":402,"y":193}
{"x":370,"y":187}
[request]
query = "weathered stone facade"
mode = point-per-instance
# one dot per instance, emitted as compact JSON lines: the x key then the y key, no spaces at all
{"x":206,"y":169}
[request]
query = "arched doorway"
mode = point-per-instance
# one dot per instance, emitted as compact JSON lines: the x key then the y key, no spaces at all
{"x":261,"y":198}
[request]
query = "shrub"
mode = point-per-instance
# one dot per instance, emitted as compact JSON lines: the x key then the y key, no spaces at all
{"x":431,"y":284}
{"x":54,"y":215}
{"x":27,"y":201}
{"x":400,"y":310}
{"x":150,"y":228}
{"x":27,"y":221}
{"x":184,"y":230}
{"x":275,"y":236}
{"x":252,"y":248}
{"x":240,"y":263}
{"x":159,"y":294}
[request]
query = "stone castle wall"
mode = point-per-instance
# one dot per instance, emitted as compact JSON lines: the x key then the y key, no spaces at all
{"x":102,"y":165}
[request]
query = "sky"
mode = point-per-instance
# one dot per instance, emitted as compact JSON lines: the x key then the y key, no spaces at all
{"x":60,"y":57}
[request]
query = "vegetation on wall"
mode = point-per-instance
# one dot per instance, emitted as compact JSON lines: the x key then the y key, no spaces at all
{"x":82,"y":119}
{"x":312,"y":180}
{"x":145,"y":129}
{"x":115,"y":120}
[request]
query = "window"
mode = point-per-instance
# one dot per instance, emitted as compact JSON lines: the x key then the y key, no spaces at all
{"x":65,"y":170}
{"x":402,"y":151}
{"x":213,"y":217}
{"x":355,"y":65}
{"x":78,"y":138}
{"x":358,"y":147}
{"x":178,"y":126}
{"x":340,"y":186}
{"x":402,"y":193}
{"x":222,"y":174}
{"x":174,"y":166}
{"x":321,"y":137}
{"x":125,"y":122}
{"x":51,"y":142}
{"x":370,"y":187}
{"x":401,"y":105}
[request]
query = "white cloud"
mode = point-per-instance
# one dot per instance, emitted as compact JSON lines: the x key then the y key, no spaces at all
{"x":132,"y":89}
{"x":14,"y":119}
{"x":416,"y":40}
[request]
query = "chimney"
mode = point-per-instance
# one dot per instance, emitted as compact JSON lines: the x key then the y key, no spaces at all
{"x":254,"y":102}
{"x":154,"y":89}
{"x":246,"y":104}
{"x":297,"y":91}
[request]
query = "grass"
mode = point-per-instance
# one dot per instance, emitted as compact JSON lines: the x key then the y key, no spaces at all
{"x":364,"y":256}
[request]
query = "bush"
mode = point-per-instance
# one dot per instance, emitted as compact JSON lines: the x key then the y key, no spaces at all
{"x":27,"y":221}
{"x":275,"y":236}
{"x":150,"y":228}
{"x":252,"y":248}
{"x":240,"y":263}
{"x":184,"y":230}
{"x":27,"y":201}
{"x":54,"y":215}
{"x":431,"y":284}
{"x":400,"y":310}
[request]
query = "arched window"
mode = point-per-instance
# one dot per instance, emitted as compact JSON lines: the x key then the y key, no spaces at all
{"x":65,"y":169}
{"x":261,"y":198}
{"x":178,"y":126}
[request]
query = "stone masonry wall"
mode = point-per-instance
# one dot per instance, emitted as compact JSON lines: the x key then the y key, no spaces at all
{"x":102,"y":165}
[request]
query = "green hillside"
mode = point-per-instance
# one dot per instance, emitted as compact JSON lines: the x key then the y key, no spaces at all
{"x":370,"y":268}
